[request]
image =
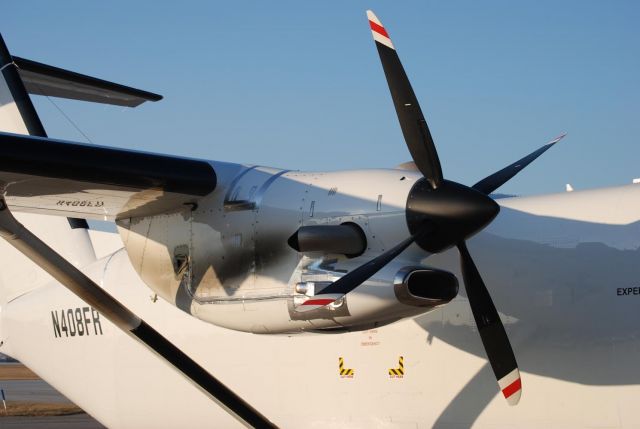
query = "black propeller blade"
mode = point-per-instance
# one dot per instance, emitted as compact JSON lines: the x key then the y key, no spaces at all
{"x":490,"y":183}
{"x":494,"y":338}
{"x":414,"y":126}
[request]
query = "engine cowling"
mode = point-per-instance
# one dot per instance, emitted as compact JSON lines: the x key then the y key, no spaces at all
{"x":231,"y":260}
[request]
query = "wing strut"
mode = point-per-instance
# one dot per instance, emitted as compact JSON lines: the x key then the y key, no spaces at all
{"x":77,"y":282}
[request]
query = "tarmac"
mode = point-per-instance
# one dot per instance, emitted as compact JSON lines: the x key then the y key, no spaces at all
{"x":40,"y":391}
{"x":77,"y":421}
{"x":31,"y":390}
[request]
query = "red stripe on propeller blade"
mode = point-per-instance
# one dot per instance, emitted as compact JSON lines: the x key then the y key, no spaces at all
{"x":512,"y":388}
{"x":378,"y":29}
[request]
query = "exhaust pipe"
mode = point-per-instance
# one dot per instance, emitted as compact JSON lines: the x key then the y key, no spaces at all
{"x":425,"y":287}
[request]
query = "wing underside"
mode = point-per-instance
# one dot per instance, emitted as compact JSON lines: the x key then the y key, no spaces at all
{"x":55,"y":177}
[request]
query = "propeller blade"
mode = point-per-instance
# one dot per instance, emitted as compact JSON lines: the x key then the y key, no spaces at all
{"x":493,"y":182}
{"x":414,"y":126}
{"x":356,"y":277}
{"x":494,"y":337}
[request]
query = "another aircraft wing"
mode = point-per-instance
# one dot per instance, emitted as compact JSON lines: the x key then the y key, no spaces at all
{"x":43,"y":79}
{"x":56,"y":177}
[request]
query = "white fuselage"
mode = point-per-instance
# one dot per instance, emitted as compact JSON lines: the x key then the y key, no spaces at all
{"x":562,"y":269}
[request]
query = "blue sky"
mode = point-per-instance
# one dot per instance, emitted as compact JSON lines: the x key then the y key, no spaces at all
{"x":298,"y":84}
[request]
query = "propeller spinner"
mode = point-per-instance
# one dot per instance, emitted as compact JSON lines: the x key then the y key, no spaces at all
{"x":441,"y":214}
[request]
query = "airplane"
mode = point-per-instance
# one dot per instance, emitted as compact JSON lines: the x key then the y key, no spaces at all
{"x":308,"y":299}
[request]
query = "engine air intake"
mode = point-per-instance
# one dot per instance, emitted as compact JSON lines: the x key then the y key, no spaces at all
{"x":346,"y":239}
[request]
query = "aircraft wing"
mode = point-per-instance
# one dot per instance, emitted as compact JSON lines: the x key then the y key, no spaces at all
{"x":63,"y":178}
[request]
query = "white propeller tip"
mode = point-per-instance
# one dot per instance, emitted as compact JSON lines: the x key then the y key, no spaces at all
{"x":557,"y":139}
{"x":511,"y":387}
{"x":515,"y":398}
{"x":378,"y":32}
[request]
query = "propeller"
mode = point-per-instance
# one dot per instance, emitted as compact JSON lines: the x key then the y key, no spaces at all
{"x":440,"y":214}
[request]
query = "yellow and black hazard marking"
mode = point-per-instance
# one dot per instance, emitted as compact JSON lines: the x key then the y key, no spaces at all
{"x":344,"y":372}
{"x":399,"y":371}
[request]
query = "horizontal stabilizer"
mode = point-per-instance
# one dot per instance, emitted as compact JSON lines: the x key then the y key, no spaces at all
{"x":42,"y":175}
{"x":43,"y":79}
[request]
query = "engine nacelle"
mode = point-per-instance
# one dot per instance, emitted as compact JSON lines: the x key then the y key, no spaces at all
{"x":266,"y":240}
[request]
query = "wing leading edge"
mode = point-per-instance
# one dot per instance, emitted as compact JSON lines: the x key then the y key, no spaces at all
{"x":95,"y":182}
